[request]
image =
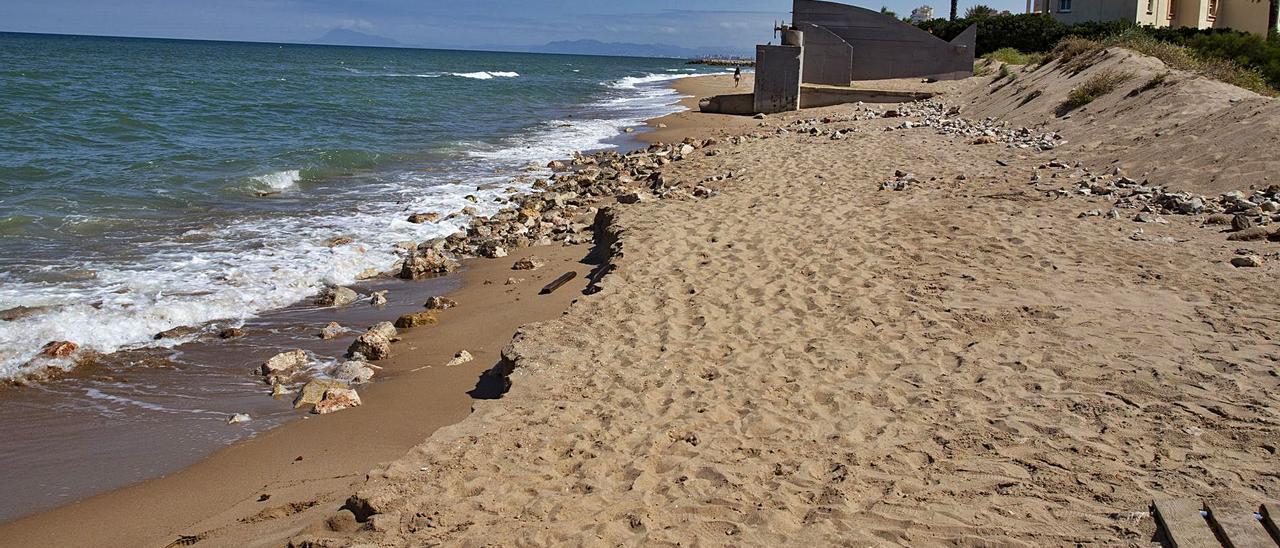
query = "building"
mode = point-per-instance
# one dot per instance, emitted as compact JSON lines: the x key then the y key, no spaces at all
{"x":1255,"y":16}
{"x":831,"y":44}
{"x":922,"y":14}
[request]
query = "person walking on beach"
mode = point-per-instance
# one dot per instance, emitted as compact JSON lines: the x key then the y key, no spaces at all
{"x":737,"y":75}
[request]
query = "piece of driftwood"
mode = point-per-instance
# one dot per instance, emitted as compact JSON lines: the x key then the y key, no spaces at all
{"x":1183,"y":525}
{"x":551,"y":287}
{"x":1238,"y":528}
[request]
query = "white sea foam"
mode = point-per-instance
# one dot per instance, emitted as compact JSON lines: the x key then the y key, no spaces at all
{"x":634,"y":100}
{"x":280,"y":180}
{"x":632,"y":82}
{"x":484,"y":75}
{"x":278,"y":261}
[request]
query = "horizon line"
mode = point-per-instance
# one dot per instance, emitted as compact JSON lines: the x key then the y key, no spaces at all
{"x":319,"y":44}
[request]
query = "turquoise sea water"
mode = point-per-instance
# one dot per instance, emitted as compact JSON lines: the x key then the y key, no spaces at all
{"x":149,"y":184}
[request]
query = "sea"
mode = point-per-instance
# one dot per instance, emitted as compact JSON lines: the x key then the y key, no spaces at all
{"x":152,"y":184}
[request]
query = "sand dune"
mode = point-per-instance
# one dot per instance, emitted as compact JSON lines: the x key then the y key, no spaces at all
{"x":807,"y":359}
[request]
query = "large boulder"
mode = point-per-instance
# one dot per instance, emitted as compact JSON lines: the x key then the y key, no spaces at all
{"x":371,"y":345}
{"x":284,"y":364}
{"x":424,"y":263}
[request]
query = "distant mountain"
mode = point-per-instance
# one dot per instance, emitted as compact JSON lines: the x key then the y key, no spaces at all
{"x":347,"y":37}
{"x":623,"y":49}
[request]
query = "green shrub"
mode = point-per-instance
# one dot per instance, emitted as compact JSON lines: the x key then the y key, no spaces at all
{"x":1238,"y":58}
{"x":1102,"y":83}
{"x":1014,"y":57}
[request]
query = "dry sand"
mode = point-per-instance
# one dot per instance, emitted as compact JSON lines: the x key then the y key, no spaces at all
{"x":806,"y":359}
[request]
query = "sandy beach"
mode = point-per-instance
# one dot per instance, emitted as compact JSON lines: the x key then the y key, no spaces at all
{"x":907,"y":325}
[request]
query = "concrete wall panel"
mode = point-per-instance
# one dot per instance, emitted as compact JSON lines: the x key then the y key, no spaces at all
{"x":778,"y":70}
{"x":884,"y":47}
{"x":828,"y":59}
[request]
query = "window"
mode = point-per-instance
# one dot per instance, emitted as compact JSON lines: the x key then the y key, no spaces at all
{"x":1064,"y":6}
{"x":1173,"y":9}
{"x":1151,"y":7}
{"x":1213,"y":9}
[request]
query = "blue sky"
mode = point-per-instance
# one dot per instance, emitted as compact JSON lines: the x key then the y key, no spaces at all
{"x":457,"y":23}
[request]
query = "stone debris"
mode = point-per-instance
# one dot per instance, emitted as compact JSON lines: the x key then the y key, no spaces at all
{"x":386,"y":329}
{"x":416,"y":319}
{"x":231,"y":333}
{"x":332,"y":331}
{"x":239,"y":418}
{"x":284,"y":365}
{"x":901,"y":181}
{"x":59,"y":349}
{"x":528,"y":263}
{"x":314,"y":391}
{"x":423,"y":263}
{"x":460,"y":358}
{"x":440,"y":303}
{"x":337,"y":399}
{"x":378,"y":298}
{"x":420,"y":218}
{"x":1250,"y":234}
{"x":935,"y":114}
{"x":1247,"y":261}
{"x":177,"y":332}
{"x":371,"y":345}
{"x":337,"y":296}
{"x":354,"y":372}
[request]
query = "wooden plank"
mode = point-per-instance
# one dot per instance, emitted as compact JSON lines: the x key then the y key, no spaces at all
{"x":551,"y":287}
{"x":1183,"y":525}
{"x":1238,"y":528}
{"x":1271,"y":519}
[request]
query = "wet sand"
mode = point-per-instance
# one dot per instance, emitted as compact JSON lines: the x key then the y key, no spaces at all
{"x":136,"y":415}
{"x":312,"y":463}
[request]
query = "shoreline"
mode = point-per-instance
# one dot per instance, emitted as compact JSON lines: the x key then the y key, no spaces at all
{"x":919,"y":324}
{"x":340,"y":448}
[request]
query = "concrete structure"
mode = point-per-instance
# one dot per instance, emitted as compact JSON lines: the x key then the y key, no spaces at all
{"x":811,"y":96}
{"x":778,"y":88}
{"x":922,"y":14}
{"x":834,"y":44}
{"x":883,"y":47}
{"x":1255,"y":16}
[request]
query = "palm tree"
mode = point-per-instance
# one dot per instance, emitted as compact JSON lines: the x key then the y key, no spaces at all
{"x":979,"y":12}
{"x":1273,"y":23}
{"x":955,"y":6}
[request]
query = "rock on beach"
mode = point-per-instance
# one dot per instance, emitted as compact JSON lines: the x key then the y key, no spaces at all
{"x":337,"y":399}
{"x":371,"y":345}
{"x":416,"y":319}
{"x":284,"y":364}
{"x":337,"y":296}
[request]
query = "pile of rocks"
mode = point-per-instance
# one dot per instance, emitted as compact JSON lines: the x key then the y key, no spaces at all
{"x":947,"y":120}
{"x":901,"y":181}
{"x":561,"y":208}
{"x":1243,"y":211}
